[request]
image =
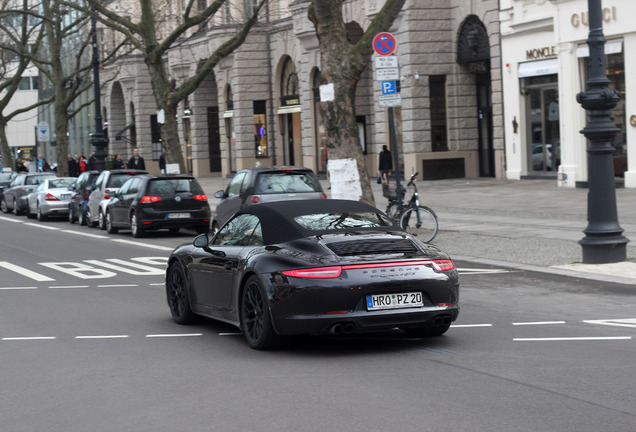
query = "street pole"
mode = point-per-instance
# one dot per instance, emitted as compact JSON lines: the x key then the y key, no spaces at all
{"x":603,"y":241}
{"x":396,"y":159}
{"x":98,"y":140}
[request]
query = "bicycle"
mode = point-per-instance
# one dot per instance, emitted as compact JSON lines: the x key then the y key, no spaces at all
{"x":416,"y":219}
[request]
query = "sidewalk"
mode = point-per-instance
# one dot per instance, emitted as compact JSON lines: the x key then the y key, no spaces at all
{"x":530,"y":224}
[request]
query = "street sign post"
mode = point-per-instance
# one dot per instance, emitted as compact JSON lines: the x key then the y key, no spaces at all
{"x":388,"y":87}
{"x":390,"y":100}
{"x":43,"y":134}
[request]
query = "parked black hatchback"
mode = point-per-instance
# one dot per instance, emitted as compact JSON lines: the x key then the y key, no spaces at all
{"x":145,"y":203}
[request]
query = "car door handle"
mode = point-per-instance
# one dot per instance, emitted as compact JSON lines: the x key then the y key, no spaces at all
{"x":228,"y":265}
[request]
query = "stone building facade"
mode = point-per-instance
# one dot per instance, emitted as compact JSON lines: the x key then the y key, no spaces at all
{"x":260,"y":106}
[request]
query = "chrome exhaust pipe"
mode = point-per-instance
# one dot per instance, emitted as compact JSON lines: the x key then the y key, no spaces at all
{"x":336,"y":329}
{"x":437,"y":321}
{"x":349,"y":328}
{"x":447,"y":320}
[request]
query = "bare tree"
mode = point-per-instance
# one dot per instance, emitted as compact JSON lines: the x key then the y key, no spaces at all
{"x":342,"y":64}
{"x":153,"y":37}
{"x":20,"y":35}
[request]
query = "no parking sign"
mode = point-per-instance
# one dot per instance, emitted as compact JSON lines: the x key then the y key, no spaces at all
{"x":384,"y":44}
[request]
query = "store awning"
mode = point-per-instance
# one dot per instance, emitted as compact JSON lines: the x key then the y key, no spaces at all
{"x":538,"y":68}
{"x":611,"y":47}
{"x":288,"y":109}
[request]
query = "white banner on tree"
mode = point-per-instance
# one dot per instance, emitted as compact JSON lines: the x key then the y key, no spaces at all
{"x":344,"y":179}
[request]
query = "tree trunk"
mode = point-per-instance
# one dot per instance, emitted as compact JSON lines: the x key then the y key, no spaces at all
{"x":7,"y":154}
{"x":170,"y":135}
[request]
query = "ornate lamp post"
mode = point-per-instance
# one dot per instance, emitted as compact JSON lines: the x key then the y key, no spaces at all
{"x":603,"y":241}
{"x":98,"y":140}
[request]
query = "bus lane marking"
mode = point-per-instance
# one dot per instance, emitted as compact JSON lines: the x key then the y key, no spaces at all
{"x":25,"y":272}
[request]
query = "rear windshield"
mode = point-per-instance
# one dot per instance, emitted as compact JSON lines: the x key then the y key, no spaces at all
{"x":61,"y":182}
{"x":336,"y":221}
{"x":116,"y":180}
{"x":35,"y":180}
{"x":174,"y":186}
{"x":286,"y":182}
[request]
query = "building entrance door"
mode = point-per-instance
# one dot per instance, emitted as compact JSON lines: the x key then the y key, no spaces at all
{"x":542,"y":118}
{"x":214,"y":139}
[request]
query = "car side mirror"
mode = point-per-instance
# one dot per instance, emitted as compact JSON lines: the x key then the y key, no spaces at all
{"x":201,"y":241}
{"x":219,"y":194}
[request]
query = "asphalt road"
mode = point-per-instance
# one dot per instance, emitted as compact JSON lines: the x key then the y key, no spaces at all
{"x":87,"y":344}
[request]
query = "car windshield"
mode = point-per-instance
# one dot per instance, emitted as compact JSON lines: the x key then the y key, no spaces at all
{"x":171,"y":186}
{"x":35,"y":180}
{"x":286,"y":182}
{"x":60,"y":183}
{"x":335,"y":221}
{"x":116,"y":180}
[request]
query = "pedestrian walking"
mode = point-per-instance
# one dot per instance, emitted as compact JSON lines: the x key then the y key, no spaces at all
{"x":162,"y":162}
{"x":82,"y":164}
{"x":117,"y":162}
{"x":386,"y":165}
{"x":73,"y":167}
{"x":92,"y":162}
{"x":136,"y":161}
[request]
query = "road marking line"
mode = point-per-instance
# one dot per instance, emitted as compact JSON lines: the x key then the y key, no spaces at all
{"x":10,"y":220}
{"x":25,"y":272}
{"x":230,"y":334}
{"x":151,"y":246}
{"x":68,"y":286}
{"x":114,"y":286}
{"x":28,"y":338}
{"x":538,"y":323}
{"x":572,"y":339}
{"x":102,"y":337}
{"x":157,"y":284}
{"x":173,"y":335}
{"x":473,"y":271}
{"x":470,"y":325}
{"x":615,"y":322}
{"x":85,"y":234}
{"x":18,"y":288}
{"x":42,"y":226}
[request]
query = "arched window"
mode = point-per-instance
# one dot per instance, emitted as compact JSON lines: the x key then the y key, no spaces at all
{"x":289,"y":84}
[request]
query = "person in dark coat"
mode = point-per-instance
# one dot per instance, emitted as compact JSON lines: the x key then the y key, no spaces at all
{"x":117,"y":162}
{"x":136,"y":161}
{"x":162,"y":162}
{"x":73,"y":167}
{"x":92,"y":162}
{"x":386,"y":164}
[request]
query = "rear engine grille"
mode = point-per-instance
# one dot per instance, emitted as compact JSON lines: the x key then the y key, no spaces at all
{"x":370,"y":247}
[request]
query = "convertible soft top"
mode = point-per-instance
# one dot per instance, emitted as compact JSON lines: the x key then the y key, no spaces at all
{"x":279,"y":226}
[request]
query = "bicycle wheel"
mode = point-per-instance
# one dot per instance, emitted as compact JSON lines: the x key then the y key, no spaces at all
{"x":393,"y":212}
{"x":426,"y":230}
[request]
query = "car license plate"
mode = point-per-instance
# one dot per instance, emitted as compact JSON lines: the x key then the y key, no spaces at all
{"x":178,"y":215}
{"x":394,"y":301}
{"x":65,"y":196}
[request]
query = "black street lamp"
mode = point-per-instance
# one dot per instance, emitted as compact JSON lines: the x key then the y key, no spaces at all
{"x":603,"y":241}
{"x":98,"y":140}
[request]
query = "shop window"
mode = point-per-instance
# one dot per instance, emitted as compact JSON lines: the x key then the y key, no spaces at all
{"x":437,"y":92}
{"x":260,"y":131}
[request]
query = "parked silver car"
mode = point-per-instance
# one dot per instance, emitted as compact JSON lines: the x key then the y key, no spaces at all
{"x":50,"y":198}
{"x":106,"y":185}
{"x":265,"y":184}
{"x":15,"y":195}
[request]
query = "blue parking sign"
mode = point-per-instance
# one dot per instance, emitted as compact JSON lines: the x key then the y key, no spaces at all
{"x":388,"y":87}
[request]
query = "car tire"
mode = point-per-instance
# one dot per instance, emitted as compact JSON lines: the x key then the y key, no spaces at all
{"x":41,"y":216}
{"x":71,"y":218}
{"x":27,"y":211}
{"x":177,"y":295}
{"x":101,"y":220}
{"x":81,"y":217}
{"x":427,"y":331}
{"x":16,"y":210}
{"x":109,"y":224}
{"x":137,"y":230}
{"x":256,"y":321}
{"x":3,"y":206}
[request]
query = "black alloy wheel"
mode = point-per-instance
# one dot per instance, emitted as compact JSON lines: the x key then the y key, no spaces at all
{"x":109,"y":223}
{"x":255,"y":317}
{"x":3,"y":206}
{"x":137,"y":230}
{"x":27,"y":211}
{"x":177,"y":294}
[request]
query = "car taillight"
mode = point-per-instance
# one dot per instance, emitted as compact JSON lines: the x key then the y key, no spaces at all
{"x":107,"y":194}
{"x":315,"y":273}
{"x":200,"y":197}
{"x":335,"y":271}
{"x":323,"y":196}
{"x":255,"y":199}
{"x":150,"y":199}
{"x":51,"y":197}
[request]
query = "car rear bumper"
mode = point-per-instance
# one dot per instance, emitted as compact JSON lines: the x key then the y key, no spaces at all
{"x":159,"y":220}
{"x":54,"y":207}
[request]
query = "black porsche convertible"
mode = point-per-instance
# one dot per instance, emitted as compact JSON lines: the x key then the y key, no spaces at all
{"x":313,"y":267}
